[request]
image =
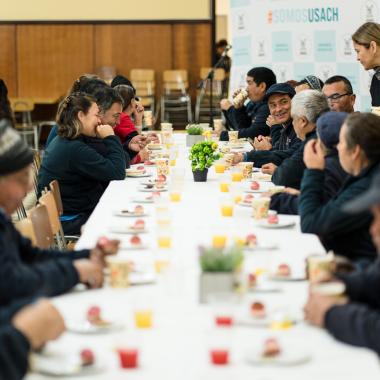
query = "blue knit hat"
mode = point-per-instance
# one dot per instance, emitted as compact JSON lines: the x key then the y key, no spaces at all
{"x":328,"y":127}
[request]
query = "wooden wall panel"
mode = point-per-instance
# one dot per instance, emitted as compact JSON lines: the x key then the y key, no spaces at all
{"x":147,"y":46}
{"x":8,"y":67}
{"x":51,"y":56}
{"x":191,"y":49}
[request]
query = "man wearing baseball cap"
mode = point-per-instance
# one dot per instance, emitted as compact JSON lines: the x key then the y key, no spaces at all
{"x":26,"y":271}
{"x":283,"y":142}
{"x":356,"y":319}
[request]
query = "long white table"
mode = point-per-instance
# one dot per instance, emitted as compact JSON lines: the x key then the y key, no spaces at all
{"x":177,"y":347}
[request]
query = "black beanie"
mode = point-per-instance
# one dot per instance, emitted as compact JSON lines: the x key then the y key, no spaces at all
{"x":14,"y":153}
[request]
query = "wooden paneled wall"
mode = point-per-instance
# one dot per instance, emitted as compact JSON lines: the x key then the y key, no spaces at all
{"x":42,"y":60}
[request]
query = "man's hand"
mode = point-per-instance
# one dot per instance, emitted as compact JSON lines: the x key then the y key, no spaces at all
{"x":153,"y":137}
{"x":313,"y":155}
{"x":225,"y":104}
{"x":291,"y":191}
{"x":39,"y":323}
{"x":262,"y":143}
{"x":90,"y":272}
{"x":138,"y":114}
{"x":238,"y":157}
{"x":137,"y":143}
{"x":268,"y":168}
{"x":104,"y":247}
{"x":104,"y":130}
{"x":318,"y":305}
{"x":144,"y":155}
{"x":270,"y":121}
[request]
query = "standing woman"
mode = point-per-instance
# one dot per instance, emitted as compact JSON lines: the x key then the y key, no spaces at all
{"x":367,"y":46}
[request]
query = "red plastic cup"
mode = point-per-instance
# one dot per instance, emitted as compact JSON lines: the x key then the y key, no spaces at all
{"x":219,"y":357}
{"x":223,"y":320}
{"x":128,"y":357}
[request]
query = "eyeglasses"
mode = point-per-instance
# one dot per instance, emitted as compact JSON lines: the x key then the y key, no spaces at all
{"x":334,"y":98}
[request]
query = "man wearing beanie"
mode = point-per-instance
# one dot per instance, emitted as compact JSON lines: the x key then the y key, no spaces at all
{"x":328,"y":129}
{"x":26,"y":271}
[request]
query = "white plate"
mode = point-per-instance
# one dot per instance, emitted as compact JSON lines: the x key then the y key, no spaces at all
{"x":276,"y":277}
{"x":245,"y":204}
{"x":150,"y":182}
{"x":154,"y":146}
{"x":130,"y":215}
{"x":142,"y":278}
{"x":270,"y":317}
{"x":146,"y":190}
{"x":290,"y":356}
{"x":85,"y":327}
{"x":262,"y":246}
{"x":261,"y":177}
{"x":138,"y":175}
{"x":63,"y":364}
{"x":142,"y":200}
{"x":281,"y":224}
{"x":130,"y":247}
{"x":126,"y":230}
{"x":265,"y":288}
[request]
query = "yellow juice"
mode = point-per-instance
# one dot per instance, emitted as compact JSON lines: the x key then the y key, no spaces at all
{"x":175,"y":196}
{"x":172,"y":162}
{"x":237,"y":198}
{"x":219,"y":241}
{"x":220,"y":168}
{"x":143,"y":319}
{"x":227,"y":210}
{"x":237,"y":176}
{"x":160,"y":265}
{"x":168,"y":145}
{"x":224,"y":187}
{"x":240,"y":242}
{"x":164,"y":241}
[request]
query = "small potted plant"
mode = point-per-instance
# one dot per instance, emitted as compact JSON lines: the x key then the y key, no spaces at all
{"x":202,"y":156}
{"x":220,"y":271}
{"x":194,"y":134}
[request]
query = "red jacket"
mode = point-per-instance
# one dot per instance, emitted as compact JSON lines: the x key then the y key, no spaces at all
{"x":124,"y":129}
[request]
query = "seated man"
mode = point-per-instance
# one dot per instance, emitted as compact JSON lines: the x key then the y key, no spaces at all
{"x":30,"y":328}
{"x":250,"y":120}
{"x":359,"y":154}
{"x":283,"y":141}
{"x":340,"y":95}
{"x":355,"y":321}
{"x":26,"y":271}
{"x":307,"y":106}
{"x":328,"y":129}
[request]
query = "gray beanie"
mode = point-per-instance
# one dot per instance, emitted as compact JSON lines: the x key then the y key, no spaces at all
{"x":14,"y":153}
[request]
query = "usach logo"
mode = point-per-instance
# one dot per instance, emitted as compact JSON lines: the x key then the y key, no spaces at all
{"x":303,"y":15}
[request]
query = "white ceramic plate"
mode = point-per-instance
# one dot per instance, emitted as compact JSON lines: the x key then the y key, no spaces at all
{"x":262,"y":246}
{"x":142,"y":278}
{"x":265,"y":288}
{"x":59,"y":364}
{"x":290,"y":356}
{"x":138,"y":175}
{"x":261,"y":177}
{"x":142,"y":200}
{"x":150,"y":182}
{"x":85,"y":327}
{"x":245,"y":204}
{"x":276,"y":277}
{"x":129,"y":214}
{"x":154,"y":146}
{"x":146,"y":190}
{"x":281,"y":224}
{"x":129,"y":247}
{"x":270,"y":317}
{"x":127,"y":230}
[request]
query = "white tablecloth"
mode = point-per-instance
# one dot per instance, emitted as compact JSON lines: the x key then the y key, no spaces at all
{"x":177,"y":347}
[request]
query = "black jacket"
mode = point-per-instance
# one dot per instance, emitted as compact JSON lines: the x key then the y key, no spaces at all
{"x":81,"y":171}
{"x":289,"y":173}
{"x":13,"y":354}
{"x":345,"y":234}
{"x":375,"y":91}
{"x":26,"y":271}
{"x":249,"y":120}
{"x":358,"y":322}
{"x":334,"y":179}
{"x":284,"y":144}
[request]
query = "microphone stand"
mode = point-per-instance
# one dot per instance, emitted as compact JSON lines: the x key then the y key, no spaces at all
{"x":210,"y":76}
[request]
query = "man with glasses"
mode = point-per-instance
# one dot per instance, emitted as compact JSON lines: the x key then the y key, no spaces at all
{"x":339,"y":93}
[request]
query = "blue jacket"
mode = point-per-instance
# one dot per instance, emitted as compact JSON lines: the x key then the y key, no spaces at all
{"x":81,"y":171}
{"x":334,"y":179}
{"x":358,"y":322}
{"x":26,"y":271}
{"x":346,"y":234}
{"x":284,"y":143}
{"x":249,"y":120}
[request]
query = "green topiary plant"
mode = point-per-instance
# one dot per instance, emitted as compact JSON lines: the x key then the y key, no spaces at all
{"x":194,"y":129}
{"x":221,"y":260}
{"x":203,"y":155}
